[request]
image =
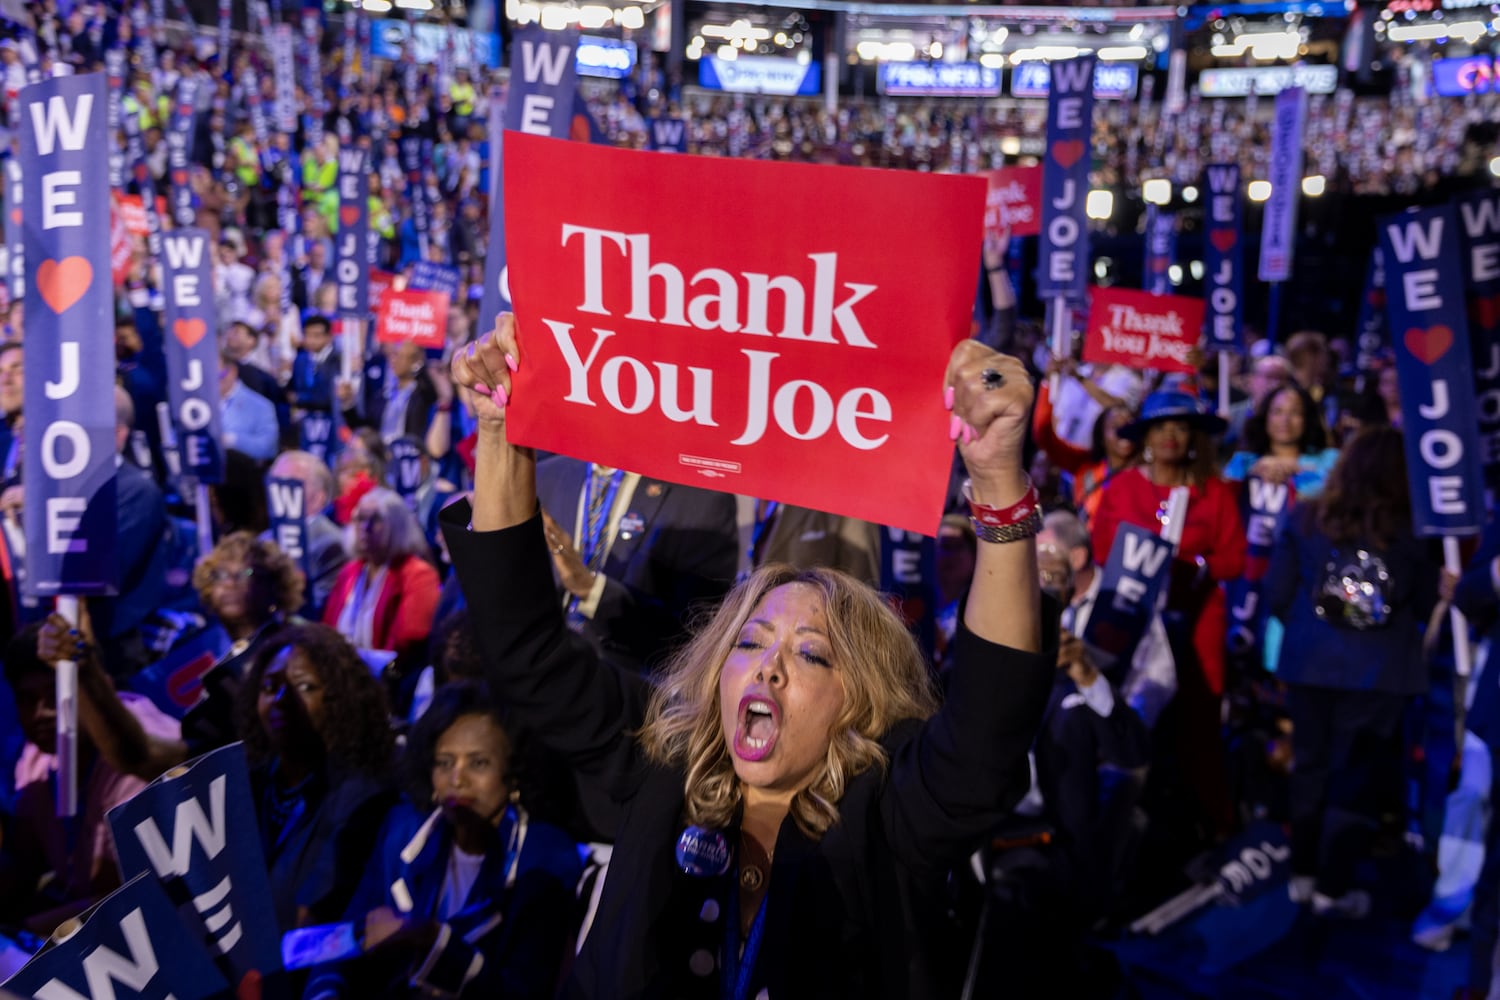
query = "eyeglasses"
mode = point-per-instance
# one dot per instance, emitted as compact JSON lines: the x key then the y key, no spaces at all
{"x":231,"y":575}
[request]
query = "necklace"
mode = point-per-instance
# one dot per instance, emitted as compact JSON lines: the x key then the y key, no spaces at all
{"x":753,"y":874}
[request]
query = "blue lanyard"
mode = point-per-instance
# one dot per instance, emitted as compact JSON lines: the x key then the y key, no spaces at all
{"x":592,"y":539}
{"x":762,"y":524}
{"x":734,"y":983}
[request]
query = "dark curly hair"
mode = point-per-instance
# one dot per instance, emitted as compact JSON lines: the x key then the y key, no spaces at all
{"x":1314,"y":434}
{"x":356,"y":731}
{"x":261,"y":555}
{"x":1366,"y":498}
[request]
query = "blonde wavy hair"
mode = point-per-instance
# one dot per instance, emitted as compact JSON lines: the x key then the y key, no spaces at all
{"x":884,"y":676}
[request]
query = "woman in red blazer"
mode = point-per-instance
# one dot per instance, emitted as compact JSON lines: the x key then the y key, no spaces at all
{"x":386,"y":595}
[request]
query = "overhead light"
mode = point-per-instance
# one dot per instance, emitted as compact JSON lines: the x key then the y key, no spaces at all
{"x":594,"y":16}
{"x":1174,"y":274}
{"x":1045,"y":52}
{"x":728,"y":53}
{"x":378,"y":6}
{"x":992,"y":60}
{"x":1196,"y":270}
{"x":1010,"y":145}
{"x":1495,"y":166}
{"x":1158,"y":190}
{"x":1189,"y":194}
{"x":1100,"y":204}
{"x":1314,"y":186}
{"x":781,"y":38}
{"x":554,"y":18}
{"x":632,"y":18}
{"x":1259,"y":190}
{"x":1124,"y":53}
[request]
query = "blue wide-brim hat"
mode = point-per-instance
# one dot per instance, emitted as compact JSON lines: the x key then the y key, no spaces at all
{"x":1173,"y":405}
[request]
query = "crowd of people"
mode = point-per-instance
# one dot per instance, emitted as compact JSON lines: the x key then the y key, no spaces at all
{"x":483,"y":706}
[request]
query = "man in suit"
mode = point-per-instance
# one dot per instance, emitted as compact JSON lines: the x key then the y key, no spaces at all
{"x":633,"y":554}
{"x":143,"y":550}
{"x":404,"y":403}
{"x":326,"y":554}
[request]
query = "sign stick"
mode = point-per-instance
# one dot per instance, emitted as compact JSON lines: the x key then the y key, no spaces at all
{"x":1224,"y":384}
{"x":1060,"y":338}
{"x":67,"y":719}
{"x":205,"y":520}
{"x":1273,"y":311}
{"x":1463,"y":659}
{"x":352,"y":351}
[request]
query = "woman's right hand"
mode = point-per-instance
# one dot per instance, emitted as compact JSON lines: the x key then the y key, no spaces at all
{"x":58,"y":641}
{"x":485,"y":366}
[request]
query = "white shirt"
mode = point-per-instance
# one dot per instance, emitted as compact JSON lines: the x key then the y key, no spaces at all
{"x":1152,"y":679}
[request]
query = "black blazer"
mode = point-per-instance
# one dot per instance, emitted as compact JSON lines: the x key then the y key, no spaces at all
{"x":685,"y":552}
{"x":859,"y":913}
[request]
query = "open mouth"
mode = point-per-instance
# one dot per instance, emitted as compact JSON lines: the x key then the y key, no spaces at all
{"x":456,"y":802}
{"x":759,"y":726}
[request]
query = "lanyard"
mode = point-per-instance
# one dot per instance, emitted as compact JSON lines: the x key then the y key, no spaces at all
{"x":734,"y":984}
{"x":593,"y":538}
{"x":763,"y":519}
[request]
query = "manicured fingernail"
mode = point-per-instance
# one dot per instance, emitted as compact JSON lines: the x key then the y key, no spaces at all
{"x":970,"y":435}
{"x":954,"y":426}
{"x":483,"y":389}
{"x":947,"y":397}
{"x":500,"y":396}
{"x":512,"y":363}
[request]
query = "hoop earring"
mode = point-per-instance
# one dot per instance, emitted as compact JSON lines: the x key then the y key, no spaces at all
{"x":1146,"y":454}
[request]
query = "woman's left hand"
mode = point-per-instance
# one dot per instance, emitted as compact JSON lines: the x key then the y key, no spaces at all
{"x":991,"y":418}
{"x":576,"y":578}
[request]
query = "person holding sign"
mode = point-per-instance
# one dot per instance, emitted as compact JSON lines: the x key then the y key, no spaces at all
{"x":1285,"y":441}
{"x":1177,"y":432}
{"x":793,"y":751}
{"x":1354,"y":587}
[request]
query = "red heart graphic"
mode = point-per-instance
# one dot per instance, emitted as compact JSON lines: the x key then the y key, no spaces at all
{"x":1487,"y":312}
{"x":1430,"y":344}
{"x":1067,"y":151}
{"x":15,"y":216}
{"x":189,"y":331}
{"x":179,"y":177}
{"x":63,"y":282}
{"x":1223,"y":239}
{"x":140,"y":171}
{"x":349,"y":214}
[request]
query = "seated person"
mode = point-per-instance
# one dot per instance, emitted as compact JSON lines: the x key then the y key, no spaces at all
{"x":472,"y":899}
{"x":38,"y":842}
{"x":245,"y":584}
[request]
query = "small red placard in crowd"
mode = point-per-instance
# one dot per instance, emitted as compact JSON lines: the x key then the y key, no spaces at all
{"x":410,"y":315}
{"x":379,"y":282}
{"x":1141,"y":330}
{"x":1014,"y":201}
{"x":680,"y":317}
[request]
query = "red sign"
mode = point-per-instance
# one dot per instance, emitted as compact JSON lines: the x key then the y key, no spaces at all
{"x":1141,"y":330}
{"x":133,"y":213}
{"x":794,"y":356}
{"x":412,"y":315}
{"x":379,"y":282}
{"x":121,"y":249}
{"x":1014,"y":201}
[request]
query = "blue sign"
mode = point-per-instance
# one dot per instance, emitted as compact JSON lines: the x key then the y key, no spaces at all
{"x":430,"y":276}
{"x":134,"y":941}
{"x":179,"y":149}
{"x":317,"y":433}
{"x":923,"y":79}
{"x":416,"y":185}
{"x":405,"y":473}
{"x":15,"y":238}
{"x":114,"y":72}
{"x":667,"y":135}
{"x":1264,"y":507}
{"x":543,"y":80}
{"x":908,"y":573}
{"x":1373,"y":334}
{"x":193,"y":352}
{"x":287,"y":504}
{"x":69,"y":447}
{"x":496,"y":297}
{"x":1063,"y":264}
{"x":776,"y":76}
{"x":1139,"y":564}
{"x":1480,"y":215}
{"x":195,"y":831}
{"x":1161,"y":249}
{"x":174,"y":683}
{"x":1430,"y":335}
{"x":351,"y":269}
{"x":1461,"y":77}
{"x":391,"y":39}
{"x":1112,"y":81}
{"x":1223,"y":260}
{"x":145,"y":184}
{"x":606,"y":57}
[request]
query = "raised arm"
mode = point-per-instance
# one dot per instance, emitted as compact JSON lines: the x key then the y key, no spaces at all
{"x":550,"y":679}
{"x":967,"y":767}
